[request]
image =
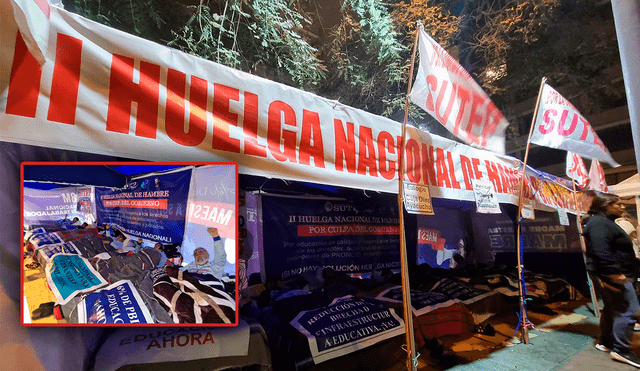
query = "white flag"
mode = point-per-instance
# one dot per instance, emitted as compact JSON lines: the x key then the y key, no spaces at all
{"x":576,"y":170}
{"x":32,"y":18}
{"x":447,"y":92}
{"x":596,"y":176}
{"x":560,"y":125}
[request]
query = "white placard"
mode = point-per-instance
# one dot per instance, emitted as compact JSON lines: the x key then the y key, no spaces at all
{"x":486,"y":200}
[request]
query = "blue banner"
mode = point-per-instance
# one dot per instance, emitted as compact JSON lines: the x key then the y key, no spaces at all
{"x":151,"y":207}
{"x":542,"y":234}
{"x":117,"y":303}
{"x":64,"y":248}
{"x":51,"y":204}
{"x":346,"y":325}
{"x":302,"y":235}
{"x":69,"y":274}
{"x":421,"y":302}
{"x":44,"y":239}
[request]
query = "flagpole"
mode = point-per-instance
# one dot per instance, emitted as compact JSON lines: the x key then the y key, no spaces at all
{"x":406,"y":293}
{"x":523,"y":312}
{"x":594,"y":298}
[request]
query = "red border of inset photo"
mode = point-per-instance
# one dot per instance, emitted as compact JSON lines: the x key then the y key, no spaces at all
{"x":54,"y":179}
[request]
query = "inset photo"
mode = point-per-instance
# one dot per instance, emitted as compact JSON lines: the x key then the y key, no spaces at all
{"x":129,"y":243}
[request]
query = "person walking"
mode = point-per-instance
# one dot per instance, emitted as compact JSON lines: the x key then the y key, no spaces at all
{"x":612,"y":263}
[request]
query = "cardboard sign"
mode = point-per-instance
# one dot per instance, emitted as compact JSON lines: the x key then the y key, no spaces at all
{"x":417,"y":199}
{"x":346,"y":325}
{"x":69,"y":275}
{"x":118,"y":303}
{"x":421,"y":302}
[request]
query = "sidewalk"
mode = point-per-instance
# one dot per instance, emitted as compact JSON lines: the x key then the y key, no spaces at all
{"x":562,"y":341}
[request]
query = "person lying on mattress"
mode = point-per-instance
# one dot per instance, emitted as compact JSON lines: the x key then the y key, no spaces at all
{"x":121,"y":243}
{"x":201,"y":263}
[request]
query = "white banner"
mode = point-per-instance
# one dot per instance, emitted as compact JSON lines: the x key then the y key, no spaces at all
{"x":32,"y":17}
{"x":157,"y":345}
{"x":560,"y":125}
{"x":109,"y":92}
{"x":449,"y":93}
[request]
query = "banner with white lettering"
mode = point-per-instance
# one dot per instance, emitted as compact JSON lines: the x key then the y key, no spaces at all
{"x":152,"y":207}
{"x":44,"y":239}
{"x":69,"y":275}
{"x":119,"y":302}
{"x":560,"y":125}
{"x":302,"y":234}
{"x":212,"y":203}
{"x":51,"y":204}
{"x":82,"y":99}
{"x":543,"y":234}
{"x":421,"y":302}
{"x":157,"y":345}
{"x":449,"y":93}
{"x":347,"y":325}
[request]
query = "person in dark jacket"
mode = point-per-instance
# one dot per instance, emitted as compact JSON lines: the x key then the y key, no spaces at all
{"x":612,"y":263}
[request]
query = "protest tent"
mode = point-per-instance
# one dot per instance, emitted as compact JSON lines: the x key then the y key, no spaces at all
{"x":270,"y":130}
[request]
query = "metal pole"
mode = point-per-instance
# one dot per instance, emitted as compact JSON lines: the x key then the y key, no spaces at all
{"x":523,"y":312}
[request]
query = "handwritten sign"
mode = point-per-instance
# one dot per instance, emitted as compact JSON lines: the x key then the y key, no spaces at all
{"x":486,"y":200}
{"x":417,"y":199}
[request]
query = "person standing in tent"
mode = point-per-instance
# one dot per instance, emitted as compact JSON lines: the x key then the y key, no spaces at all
{"x":201,"y":263}
{"x":612,"y":263}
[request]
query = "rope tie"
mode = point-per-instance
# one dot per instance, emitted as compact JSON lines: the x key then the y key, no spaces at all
{"x":414,"y":360}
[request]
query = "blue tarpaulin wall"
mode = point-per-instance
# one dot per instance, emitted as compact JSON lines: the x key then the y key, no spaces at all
{"x":95,"y":175}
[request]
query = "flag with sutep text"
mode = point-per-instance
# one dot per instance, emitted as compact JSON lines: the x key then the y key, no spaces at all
{"x":596,"y":176}
{"x":576,"y":170}
{"x":32,"y":18}
{"x":447,"y":92}
{"x":560,"y":125}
